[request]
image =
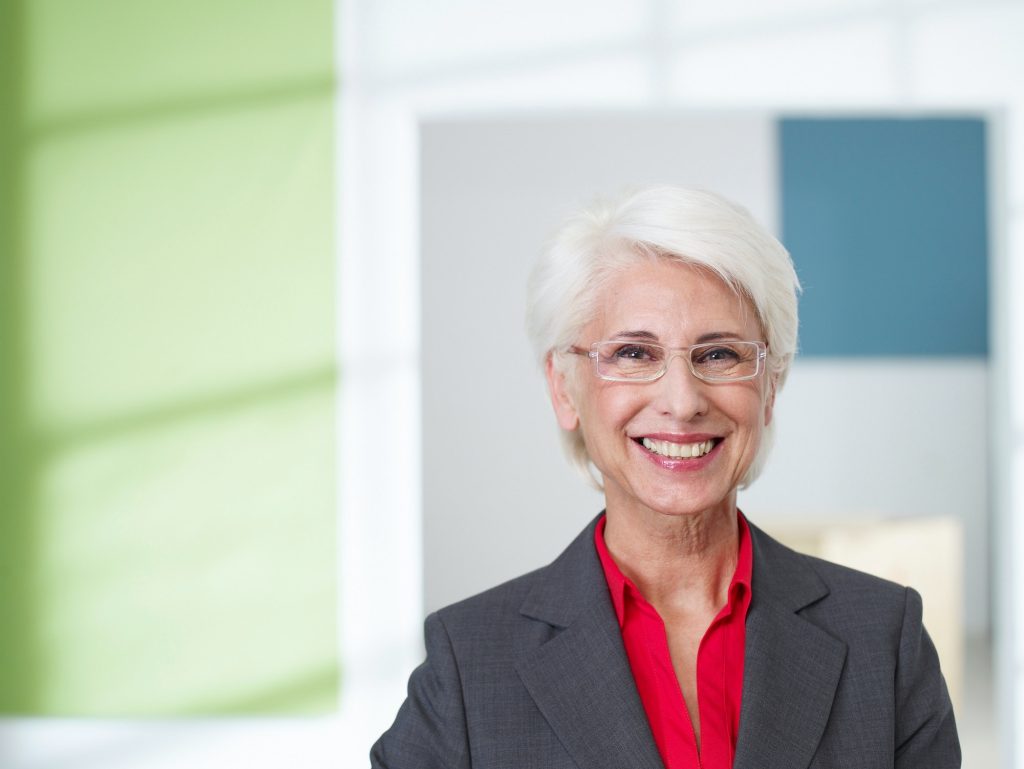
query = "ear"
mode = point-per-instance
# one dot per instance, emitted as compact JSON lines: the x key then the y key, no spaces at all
{"x":561,"y":398}
{"x":769,"y":401}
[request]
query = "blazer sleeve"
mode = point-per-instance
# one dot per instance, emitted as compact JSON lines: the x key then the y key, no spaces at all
{"x":429,"y":731}
{"x":926,"y":735}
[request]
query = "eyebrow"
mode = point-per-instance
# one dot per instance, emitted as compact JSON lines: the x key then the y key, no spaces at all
{"x":711,"y":336}
{"x":636,"y":335}
{"x":714,"y":336}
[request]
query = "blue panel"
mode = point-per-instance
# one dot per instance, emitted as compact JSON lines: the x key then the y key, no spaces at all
{"x":887,"y":224}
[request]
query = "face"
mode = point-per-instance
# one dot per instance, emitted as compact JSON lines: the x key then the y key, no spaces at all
{"x":635,"y":432}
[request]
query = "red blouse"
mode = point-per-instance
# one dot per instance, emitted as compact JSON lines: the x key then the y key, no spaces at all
{"x":719,"y":666}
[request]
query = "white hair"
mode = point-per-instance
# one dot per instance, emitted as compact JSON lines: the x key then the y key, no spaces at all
{"x":694,"y":227}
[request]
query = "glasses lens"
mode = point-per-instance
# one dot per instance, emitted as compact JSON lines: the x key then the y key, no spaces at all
{"x":726,"y":360}
{"x":629,"y":360}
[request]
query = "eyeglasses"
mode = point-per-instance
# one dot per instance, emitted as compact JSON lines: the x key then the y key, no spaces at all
{"x":620,"y":360}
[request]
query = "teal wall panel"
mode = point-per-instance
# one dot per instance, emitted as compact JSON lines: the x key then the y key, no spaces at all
{"x":886,"y":220}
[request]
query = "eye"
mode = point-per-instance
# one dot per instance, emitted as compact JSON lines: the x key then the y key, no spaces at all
{"x":718,"y":354}
{"x":719,"y":358}
{"x":636,"y":352}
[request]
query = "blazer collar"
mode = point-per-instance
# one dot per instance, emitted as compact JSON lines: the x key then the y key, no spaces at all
{"x":582,"y":683}
{"x":791,"y":666}
{"x":581,"y":679}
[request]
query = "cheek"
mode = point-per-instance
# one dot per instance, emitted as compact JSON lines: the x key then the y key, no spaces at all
{"x":752,"y":411}
{"x":607,"y":410}
{"x":618,"y":404}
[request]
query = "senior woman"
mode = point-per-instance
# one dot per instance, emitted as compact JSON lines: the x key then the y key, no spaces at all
{"x":673,"y":632}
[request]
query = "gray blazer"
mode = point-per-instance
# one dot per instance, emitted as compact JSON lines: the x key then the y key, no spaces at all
{"x":839,"y":672}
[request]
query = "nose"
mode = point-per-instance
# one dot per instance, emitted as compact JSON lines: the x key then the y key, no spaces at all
{"x":679,"y":393}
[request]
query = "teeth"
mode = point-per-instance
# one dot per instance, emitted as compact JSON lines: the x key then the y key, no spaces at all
{"x":678,"y":450}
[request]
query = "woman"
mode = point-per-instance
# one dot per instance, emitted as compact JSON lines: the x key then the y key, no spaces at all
{"x":672,"y":632}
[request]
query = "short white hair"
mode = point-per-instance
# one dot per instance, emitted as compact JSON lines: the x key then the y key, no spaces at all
{"x":691,"y":226}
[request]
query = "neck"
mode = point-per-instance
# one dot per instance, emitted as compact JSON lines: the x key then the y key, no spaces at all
{"x":676,"y":560}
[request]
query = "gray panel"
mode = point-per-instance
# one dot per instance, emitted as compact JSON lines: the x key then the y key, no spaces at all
{"x":498,"y":497}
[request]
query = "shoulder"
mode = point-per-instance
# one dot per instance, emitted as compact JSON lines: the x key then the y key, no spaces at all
{"x":856,"y":586}
{"x":843,"y":599}
{"x":781,"y":560}
{"x":890,"y":667}
{"x":495,"y":605}
{"x":528,"y":610}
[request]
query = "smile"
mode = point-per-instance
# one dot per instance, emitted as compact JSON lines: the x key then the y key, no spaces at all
{"x":679,"y":450}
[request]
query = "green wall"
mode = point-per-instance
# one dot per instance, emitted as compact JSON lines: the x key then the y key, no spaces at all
{"x":168,"y":366}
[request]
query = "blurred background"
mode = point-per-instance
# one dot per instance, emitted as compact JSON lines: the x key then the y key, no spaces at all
{"x":236,"y":238}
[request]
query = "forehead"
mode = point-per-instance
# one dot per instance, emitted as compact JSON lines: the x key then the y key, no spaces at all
{"x":674,"y":301}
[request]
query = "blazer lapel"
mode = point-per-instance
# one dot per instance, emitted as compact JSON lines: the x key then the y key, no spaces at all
{"x":791,"y":667}
{"x":582,"y":683}
{"x":580,"y":679}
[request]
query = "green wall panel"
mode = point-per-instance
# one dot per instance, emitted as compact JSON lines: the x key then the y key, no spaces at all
{"x":101,"y":56}
{"x":177,"y":258}
{"x":167,"y":373}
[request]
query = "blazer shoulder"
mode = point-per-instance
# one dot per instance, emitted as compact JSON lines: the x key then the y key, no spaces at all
{"x":489,"y":631}
{"x":553,"y":594}
{"x":498,"y":601}
{"x":785,"y":560}
{"x":827,"y":589}
{"x":846,"y":579}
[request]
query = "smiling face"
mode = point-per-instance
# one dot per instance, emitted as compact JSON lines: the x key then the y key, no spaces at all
{"x":676,"y":445}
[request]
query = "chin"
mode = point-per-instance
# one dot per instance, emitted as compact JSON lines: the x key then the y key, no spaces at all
{"x":689,"y":505}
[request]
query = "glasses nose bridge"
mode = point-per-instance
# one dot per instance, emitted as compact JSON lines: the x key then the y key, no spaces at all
{"x":680,"y":352}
